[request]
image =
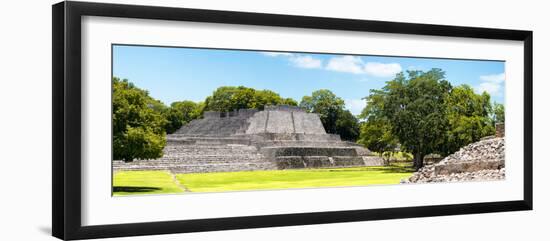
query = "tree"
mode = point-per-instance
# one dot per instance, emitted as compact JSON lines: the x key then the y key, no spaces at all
{"x":138,"y":126}
{"x":335,"y":118}
{"x":181,"y":113}
{"x":376,"y":131}
{"x":376,"y":135}
{"x":414,"y":106}
{"x":498,"y":110}
{"x":327,"y":105}
{"x":229,"y":98}
{"x":290,"y":101}
{"x":347,"y":126}
{"x":468,"y":116}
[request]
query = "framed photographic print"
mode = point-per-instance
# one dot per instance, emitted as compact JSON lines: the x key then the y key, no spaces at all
{"x":172,"y":120}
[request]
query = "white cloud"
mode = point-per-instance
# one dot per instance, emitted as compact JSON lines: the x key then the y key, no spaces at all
{"x":298,"y":60}
{"x":276,"y":54}
{"x":355,"y":65}
{"x":306,"y":61}
{"x":348,"y":64}
{"x":382,"y":70}
{"x":491,"y":84}
{"x":489,"y":87}
{"x":355,"y":106}
{"x":493,"y":78}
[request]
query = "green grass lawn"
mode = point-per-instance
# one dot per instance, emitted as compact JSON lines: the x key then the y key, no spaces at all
{"x":260,"y":180}
{"x":144,"y":182}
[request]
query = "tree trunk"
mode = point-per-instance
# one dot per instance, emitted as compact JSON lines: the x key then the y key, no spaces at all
{"x":418,"y":161}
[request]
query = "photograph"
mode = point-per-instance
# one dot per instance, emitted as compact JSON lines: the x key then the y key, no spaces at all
{"x":194,"y":120}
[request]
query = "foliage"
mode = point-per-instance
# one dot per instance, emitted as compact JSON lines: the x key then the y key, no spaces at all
{"x":138,"y":126}
{"x":181,"y":113}
{"x":498,"y":111}
{"x":331,"y":111}
{"x":327,"y":105}
{"x":347,"y":126}
{"x":414,"y":107}
{"x":376,"y":132}
{"x":376,"y":135}
{"x":229,"y":98}
{"x":468,"y":116}
{"x":425,"y":114}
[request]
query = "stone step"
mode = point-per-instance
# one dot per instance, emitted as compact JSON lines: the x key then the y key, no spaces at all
{"x":291,"y":162}
{"x":202,"y":168}
{"x":308,"y":151}
{"x":224,"y":168}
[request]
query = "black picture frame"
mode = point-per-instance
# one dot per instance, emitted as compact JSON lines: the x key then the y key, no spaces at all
{"x":66,"y":127}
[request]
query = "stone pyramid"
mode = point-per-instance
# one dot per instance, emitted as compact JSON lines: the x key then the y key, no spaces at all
{"x":279,"y":137}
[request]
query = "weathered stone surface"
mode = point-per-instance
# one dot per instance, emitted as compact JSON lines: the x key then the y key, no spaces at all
{"x":347,"y":161}
{"x":307,"y":123}
{"x":283,"y":108}
{"x":308,"y":151}
{"x":279,"y":122}
{"x":289,"y":162}
{"x":467,"y":166}
{"x":202,"y":158}
{"x":285,"y":120}
{"x":373,"y":161}
{"x":258,"y":123}
{"x":317,"y":161}
{"x":499,"y":130}
{"x":482,"y":160}
{"x":280,"y":137}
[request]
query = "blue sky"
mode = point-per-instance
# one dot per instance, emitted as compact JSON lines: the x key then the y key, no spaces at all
{"x":175,"y":74}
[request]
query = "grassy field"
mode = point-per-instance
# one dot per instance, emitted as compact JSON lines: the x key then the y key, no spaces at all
{"x":153,"y":182}
{"x":144,"y":182}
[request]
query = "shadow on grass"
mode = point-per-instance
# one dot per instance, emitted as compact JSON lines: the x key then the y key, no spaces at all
{"x":398,"y":170}
{"x":134,"y":189}
{"x":385,"y":169}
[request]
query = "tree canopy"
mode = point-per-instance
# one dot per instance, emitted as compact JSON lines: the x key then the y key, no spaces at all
{"x":331,"y":109}
{"x":468,"y":116}
{"x":376,"y":131}
{"x":180,"y":113}
{"x":498,"y":111}
{"x":229,"y":98}
{"x":138,"y":131}
{"x":425,"y":114}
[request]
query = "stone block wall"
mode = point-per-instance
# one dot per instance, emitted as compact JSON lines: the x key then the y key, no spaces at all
{"x":211,"y":114}
{"x":307,"y":123}
{"x":279,"y":122}
{"x":499,"y":130}
{"x":283,"y":108}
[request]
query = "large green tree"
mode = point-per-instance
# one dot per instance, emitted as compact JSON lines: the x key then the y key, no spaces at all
{"x":469,"y":117}
{"x":229,"y":98}
{"x":426,"y":115}
{"x":138,"y":125}
{"x":414,"y":106}
{"x":331,"y":109}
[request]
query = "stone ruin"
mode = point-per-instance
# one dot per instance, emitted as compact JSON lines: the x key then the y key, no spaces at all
{"x":279,"y":137}
{"x":478,"y":161}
